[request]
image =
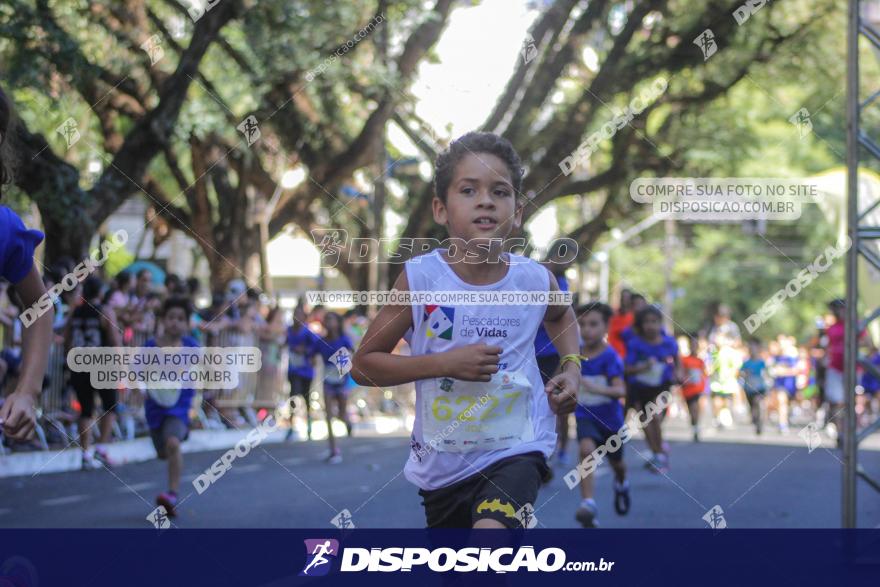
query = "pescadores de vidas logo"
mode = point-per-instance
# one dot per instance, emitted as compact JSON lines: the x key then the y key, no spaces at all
{"x":322,"y":551}
{"x":488,"y":326}
{"x":441,"y":321}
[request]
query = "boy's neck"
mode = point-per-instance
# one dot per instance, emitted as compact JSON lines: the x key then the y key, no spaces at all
{"x":591,"y":350}
{"x":482,"y":270}
{"x":168,"y":340}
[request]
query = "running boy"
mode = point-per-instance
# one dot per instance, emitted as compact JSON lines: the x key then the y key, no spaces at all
{"x":753,"y":375}
{"x":652,"y":366}
{"x":694,"y":384}
{"x":17,"y":244}
{"x":302,"y":346}
{"x":484,"y":422}
{"x":167,"y":410}
{"x":335,"y":379}
{"x":599,"y":414}
{"x":92,"y":325}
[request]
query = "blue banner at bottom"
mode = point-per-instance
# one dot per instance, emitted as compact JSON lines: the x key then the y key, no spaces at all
{"x":167,"y":558}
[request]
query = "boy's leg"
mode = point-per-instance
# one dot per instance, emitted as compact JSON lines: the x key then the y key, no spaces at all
{"x":587,"y":446}
{"x":307,"y":400}
{"x":328,"y":411}
{"x":108,"y":403}
{"x":561,"y":436}
{"x":175,"y":462}
{"x":85,"y":395}
{"x":342,"y":406}
{"x":782,"y":399}
{"x":653,"y":434}
{"x":167,"y":441}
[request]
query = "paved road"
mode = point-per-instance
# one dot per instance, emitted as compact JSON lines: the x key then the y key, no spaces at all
{"x":283,"y":486}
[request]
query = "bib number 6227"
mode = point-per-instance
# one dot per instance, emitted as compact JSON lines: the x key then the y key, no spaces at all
{"x":473,"y":409}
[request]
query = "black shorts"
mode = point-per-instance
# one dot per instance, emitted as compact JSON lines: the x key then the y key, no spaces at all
{"x":497,"y":492}
{"x":172,"y":426}
{"x":588,"y":428}
{"x":299,"y":385}
{"x":85,"y":395}
{"x":642,"y":394}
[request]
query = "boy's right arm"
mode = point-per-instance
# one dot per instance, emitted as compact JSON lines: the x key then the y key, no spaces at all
{"x":374,"y":364}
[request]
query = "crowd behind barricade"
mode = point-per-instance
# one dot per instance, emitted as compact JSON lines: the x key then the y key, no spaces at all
{"x":126,"y":311}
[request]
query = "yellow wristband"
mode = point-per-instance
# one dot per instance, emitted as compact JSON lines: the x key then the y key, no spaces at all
{"x":575,"y":358}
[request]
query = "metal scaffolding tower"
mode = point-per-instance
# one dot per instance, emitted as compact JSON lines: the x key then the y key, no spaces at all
{"x":859,"y":26}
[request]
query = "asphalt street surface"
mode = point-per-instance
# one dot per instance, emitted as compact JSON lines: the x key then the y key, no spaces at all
{"x":289,"y":486}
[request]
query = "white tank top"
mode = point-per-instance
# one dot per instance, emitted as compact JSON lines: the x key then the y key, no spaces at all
{"x":463,"y":427}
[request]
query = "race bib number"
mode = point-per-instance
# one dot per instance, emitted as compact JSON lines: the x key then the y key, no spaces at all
{"x":164,"y":397}
{"x":653,"y":376}
{"x":694,"y":376}
{"x":585,"y":398}
{"x":463,"y":416}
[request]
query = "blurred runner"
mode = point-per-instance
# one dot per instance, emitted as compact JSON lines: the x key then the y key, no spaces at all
{"x":302,"y":346}
{"x":92,"y":325}
{"x":620,"y":321}
{"x":335,"y":378}
{"x":599,"y":414}
{"x":784,"y":371}
{"x":753,"y":375}
{"x":652,"y":366}
{"x":726,"y":362}
{"x":694,"y":385}
{"x":167,"y":410}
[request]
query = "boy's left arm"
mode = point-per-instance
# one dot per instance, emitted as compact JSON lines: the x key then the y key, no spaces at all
{"x":18,"y":415}
{"x":561,"y":326}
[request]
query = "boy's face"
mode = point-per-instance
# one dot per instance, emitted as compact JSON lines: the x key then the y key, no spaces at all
{"x":593,"y":328}
{"x":651,"y":326}
{"x":174,"y":322}
{"x":480,"y":204}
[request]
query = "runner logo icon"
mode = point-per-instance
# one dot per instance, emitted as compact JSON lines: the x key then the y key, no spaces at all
{"x":320,"y":553}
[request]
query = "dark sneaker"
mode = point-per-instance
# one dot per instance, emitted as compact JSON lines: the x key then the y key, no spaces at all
{"x":659,"y":464}
{"x":586,"y":515}
{"x":104,"y":458}
{"x":168,"y":500}
{"x":621,"y":499}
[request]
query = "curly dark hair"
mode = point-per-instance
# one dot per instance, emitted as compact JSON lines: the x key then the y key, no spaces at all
{"x":603,"y":310}
{"x":7,"y":129}
{"x":475,"y":142}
